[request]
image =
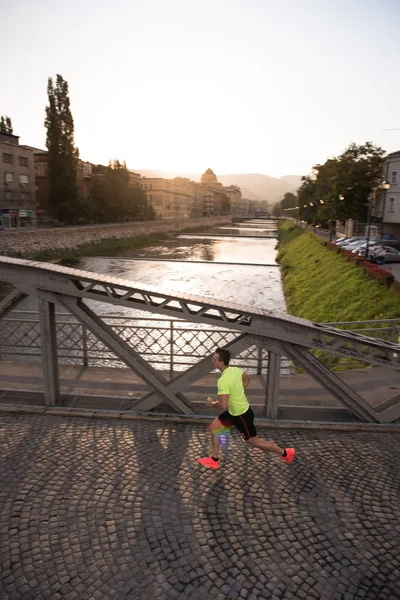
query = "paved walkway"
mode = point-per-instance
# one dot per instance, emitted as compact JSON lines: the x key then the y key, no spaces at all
{"x":97,"y":509}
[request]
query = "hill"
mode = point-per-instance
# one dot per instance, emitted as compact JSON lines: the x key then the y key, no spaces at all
{"x":254,"y":186}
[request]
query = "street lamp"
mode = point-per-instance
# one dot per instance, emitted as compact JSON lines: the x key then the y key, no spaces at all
{"x":383,"y":186}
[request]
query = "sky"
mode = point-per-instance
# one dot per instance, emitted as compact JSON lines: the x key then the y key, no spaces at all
{"x":241,"y":86}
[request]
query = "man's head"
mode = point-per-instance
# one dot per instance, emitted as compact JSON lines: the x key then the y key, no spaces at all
{"x":221,"y":358}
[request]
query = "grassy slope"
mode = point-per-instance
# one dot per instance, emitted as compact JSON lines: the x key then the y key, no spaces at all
{"x":323,"y":286}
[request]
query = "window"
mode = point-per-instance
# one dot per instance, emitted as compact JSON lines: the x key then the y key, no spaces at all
{"x":8,"y":158}
{"x":9,"y":195}
{"x":41,"y":170}
{"x":391,"y":205}
{"x":23,"y":161}
{"x":8,"y":177}
{"x":23,"y":179}
{"x":394,"y":177}
{"x":25,"y":196}
{"x":150,"y":198}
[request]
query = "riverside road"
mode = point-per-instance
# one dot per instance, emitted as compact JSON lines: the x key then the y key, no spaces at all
{"x":102,"y":509}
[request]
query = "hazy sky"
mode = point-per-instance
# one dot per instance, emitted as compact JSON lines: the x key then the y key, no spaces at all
{"x":241,"y":86}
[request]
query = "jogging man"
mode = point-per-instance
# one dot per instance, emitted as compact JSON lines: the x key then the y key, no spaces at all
{"x":236,"y":411}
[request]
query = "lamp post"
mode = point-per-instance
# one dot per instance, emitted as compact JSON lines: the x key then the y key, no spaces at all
{"x":383,"y":186}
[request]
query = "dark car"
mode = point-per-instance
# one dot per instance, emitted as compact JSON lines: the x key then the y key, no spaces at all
{"x":392,"y":243}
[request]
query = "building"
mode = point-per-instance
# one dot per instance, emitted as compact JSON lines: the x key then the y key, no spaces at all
{"x":42,"y":182}
{"x":234,"y":194}
{"x":17,"y":183}
{"x":134,"y":178}
{"x":214,"y":194}
{"x":387,"y":210}
{"x":177,"y":198}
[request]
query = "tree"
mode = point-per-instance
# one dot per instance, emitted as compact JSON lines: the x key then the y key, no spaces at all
{"x":112,"y":198}
{"x":5,"y":124}
{"x":339,"y":189}
{"x":225,"y":205}
{"x":63,"y":155}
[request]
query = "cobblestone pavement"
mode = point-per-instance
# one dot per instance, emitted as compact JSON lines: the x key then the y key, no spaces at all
{"x":97,"y":509}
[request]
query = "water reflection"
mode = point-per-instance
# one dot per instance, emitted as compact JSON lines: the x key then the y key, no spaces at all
{"x":229,"y":250}
{"x":254,"y":285}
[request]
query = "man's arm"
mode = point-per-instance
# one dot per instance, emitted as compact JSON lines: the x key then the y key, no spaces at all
{"x":221,"y":403}
{"x":245,"y":379}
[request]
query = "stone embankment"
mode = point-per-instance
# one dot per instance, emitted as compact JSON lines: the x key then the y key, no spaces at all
{"x":32,"y":241}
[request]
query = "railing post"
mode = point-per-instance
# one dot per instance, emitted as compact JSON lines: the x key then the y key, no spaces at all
{"x":259,"y":360}
{"x":48,"y":341}
{"x":85,"y":347}
{"x":171,"y":348}
{"x":272,"y":386}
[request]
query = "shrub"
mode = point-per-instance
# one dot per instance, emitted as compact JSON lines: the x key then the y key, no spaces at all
{"x":68,"y":260}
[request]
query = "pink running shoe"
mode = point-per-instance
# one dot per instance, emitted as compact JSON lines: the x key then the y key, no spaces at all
{"x":209,"y":462}
{"x":290,"y":452}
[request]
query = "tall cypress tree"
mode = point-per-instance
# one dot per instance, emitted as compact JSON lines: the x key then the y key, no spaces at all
{"x":63,"y":156}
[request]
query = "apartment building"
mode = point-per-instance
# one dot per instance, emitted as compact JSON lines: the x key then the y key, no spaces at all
{"x":134,"y":178}
{"x":42,"y":182}
{"x":17,"y":183}
{"x":177,"y":198}
{"x":234,"y":194}
{"x":388,"y":201}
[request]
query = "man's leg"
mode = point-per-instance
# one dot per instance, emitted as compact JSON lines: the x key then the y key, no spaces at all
{"x":245,"y":424}
{"x":286,"y":453}
{"x":216,"y":429}
{"x":265,"y":445}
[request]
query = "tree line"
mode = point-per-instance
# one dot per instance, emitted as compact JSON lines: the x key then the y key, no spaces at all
{"x":339,"y":189}
{"x":111,"y":197}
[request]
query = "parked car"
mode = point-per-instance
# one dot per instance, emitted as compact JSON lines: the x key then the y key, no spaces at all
{"x":353,"y":245}
{"x":346,"y":240}
{"x":392,"y":243}
{"x":360,"y":250}
{"x":387,"y":254}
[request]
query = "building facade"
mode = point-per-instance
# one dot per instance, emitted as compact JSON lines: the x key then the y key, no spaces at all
{"x":17,"y":183}
{"x":234,"y":194}
{"x":177,"y":198}
{"x":387,"y":209}
{"x":42,"y":182}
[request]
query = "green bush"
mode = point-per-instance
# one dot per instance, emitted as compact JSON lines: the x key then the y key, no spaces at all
{"x":68,"y":260}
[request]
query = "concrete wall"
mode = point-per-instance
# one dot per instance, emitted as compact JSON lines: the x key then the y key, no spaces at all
{"x":30,"y":242}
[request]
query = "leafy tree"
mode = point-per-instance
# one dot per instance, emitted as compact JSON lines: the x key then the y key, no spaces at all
{"x":112,"y":198}
{"x":225,"y":205}
{"x":339,"y":189}
{"x":63,"y":155}
{"x":276,"y":209}
{"x":5,"y":124}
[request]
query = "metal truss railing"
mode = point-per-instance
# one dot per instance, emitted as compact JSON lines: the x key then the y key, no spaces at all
{"x":250,"y":327}
{"x":166,"y":344}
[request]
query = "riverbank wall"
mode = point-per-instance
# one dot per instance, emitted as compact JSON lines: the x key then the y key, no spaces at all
{"x":28,"y":243}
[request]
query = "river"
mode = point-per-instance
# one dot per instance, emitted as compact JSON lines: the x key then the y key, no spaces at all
{"x":237,"y":267}
{"x":220,"y":266}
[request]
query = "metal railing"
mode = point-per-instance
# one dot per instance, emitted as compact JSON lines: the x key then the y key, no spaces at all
{"x":166,"y":344}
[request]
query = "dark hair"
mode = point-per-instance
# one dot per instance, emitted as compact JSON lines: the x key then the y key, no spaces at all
{"x":223,"y":355}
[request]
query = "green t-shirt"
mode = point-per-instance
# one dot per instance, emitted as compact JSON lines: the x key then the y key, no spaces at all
{"x":231,"y":383}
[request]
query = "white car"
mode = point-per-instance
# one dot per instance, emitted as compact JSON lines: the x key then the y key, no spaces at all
{"x":388,"y":254}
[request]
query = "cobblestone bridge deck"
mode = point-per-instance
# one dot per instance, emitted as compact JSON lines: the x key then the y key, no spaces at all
{"x":101,"y":509}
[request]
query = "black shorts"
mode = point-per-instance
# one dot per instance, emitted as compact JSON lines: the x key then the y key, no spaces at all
{"x":244,"y":423}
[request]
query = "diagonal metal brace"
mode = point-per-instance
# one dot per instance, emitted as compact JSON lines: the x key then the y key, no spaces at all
{"x":333,"y":384}
{"x":10,"y":302}
{"x":131,"y":358}
{"x":193,"y":373}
